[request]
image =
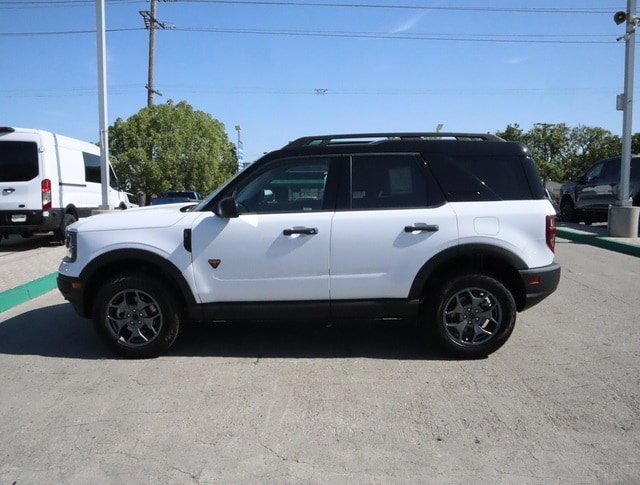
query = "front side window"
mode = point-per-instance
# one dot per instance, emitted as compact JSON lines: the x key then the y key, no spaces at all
{"x":386,"y":182}
{"x":113,"y":180}
{"x":18,"y":161}
{"x":595,"y":171}
{"x":294,"y":185}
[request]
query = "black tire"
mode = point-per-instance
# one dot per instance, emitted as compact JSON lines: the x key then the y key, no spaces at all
{"x":67,"y":220}
{"x":567,"y":210}
{"x":473,"y":315}
{"x":138,"y":316}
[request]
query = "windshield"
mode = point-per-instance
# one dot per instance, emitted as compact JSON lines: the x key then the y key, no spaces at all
{"x":205,"y":201}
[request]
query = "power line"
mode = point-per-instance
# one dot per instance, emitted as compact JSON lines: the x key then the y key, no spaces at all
{"x":454,"y":37}
{"x":413,"y":7}
{"x":516,"y":38}
{"x":558,"y":10}
{"x":125,"y":89}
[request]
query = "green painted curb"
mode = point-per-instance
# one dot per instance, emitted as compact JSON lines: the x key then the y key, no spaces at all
{"x":601,"y":242}
{"x":26,"y":292}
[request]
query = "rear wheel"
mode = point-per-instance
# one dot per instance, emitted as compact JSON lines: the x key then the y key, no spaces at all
{"x":473,"y":315}
{"x":137,"y":315}
{"x":67,"y":220}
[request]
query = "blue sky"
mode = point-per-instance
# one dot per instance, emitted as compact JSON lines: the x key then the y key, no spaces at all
{"x":386,"y":65}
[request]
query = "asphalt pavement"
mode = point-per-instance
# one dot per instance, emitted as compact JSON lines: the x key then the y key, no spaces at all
{"x":28,"y":267}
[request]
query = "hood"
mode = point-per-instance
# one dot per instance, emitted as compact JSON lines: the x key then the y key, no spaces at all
{"x":149,"y":217}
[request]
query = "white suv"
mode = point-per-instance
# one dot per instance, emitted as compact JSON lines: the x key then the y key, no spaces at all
{"x":453,"y":230}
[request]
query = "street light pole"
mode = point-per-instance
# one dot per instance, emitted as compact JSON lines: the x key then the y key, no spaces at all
{"x":239,"y":149}
{"x":102,"y":101}
{"x":629,"y":60}
{"x":623,"y":218}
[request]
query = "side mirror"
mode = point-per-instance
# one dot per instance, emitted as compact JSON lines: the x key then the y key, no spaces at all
{"x":228,"y":208}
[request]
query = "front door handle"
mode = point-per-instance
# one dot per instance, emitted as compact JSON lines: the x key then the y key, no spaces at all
{"x":422,"y":228}
{"x":301,"y":230}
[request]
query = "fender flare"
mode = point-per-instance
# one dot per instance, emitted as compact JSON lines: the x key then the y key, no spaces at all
{"x":107,"y":260}
{"x":464,"y":251}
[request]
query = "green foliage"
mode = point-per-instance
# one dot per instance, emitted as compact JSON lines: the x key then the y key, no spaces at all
{"x":561,"y":152}
{"x":169,"y":146}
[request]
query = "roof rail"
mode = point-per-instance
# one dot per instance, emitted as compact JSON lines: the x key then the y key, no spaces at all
{"x":371,"y":138}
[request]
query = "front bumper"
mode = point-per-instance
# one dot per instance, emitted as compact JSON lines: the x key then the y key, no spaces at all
{"x":72,"y":290}
{"x":539,"y":283}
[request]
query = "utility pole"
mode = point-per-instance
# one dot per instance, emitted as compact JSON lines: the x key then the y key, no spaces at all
{"x":152,"y":24}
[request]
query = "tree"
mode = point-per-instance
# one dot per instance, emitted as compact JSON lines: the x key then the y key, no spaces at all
{"x":169,"y":146}
{"x":587,"y":146}
{"x":561,"y":152}
{"x":512,"y":133}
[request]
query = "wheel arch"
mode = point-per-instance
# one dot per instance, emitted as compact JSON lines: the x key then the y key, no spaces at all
{"x":73,"y":210}
{"x":119,"y":261}
{"x":495,"y":261}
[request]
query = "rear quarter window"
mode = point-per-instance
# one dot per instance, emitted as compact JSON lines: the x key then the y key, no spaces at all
{"x":18,"y":161}
{"x":91,"y":167}
{"x":486,"y":178}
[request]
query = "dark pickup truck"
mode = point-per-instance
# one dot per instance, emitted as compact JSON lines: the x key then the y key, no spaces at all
{"x":176,"y":196}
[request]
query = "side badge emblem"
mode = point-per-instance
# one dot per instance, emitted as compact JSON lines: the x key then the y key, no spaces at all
{"x":215,"y":263}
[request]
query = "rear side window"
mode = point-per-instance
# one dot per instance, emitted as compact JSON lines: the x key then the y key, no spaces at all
{"x":18,"y":161}
{"x":91,"y":167}
{"x":484,"y":178}
{"x":387,"y":181}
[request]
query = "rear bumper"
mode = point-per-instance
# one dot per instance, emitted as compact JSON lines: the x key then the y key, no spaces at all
{"x":30,"y":221}
{"x":539,"y":283}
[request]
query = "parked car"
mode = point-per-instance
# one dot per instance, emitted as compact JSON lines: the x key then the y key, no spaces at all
{"x":588,"y":197}
{"x":48,"y":181}
{"x":177,"y":196}
{"x":552,"y":199}
{"x":452,"y":230}
{"x":128,"y":201}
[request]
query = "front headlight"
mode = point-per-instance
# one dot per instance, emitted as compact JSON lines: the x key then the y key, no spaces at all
{"x":71,"y":243}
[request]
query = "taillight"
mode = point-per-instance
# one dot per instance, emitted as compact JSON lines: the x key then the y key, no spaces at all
{"x":551,"y":232}
{"x":46,"y":195}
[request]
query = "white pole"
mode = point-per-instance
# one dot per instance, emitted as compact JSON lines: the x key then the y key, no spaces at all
{"x":630,"y":47}
{"x":102,"y":97}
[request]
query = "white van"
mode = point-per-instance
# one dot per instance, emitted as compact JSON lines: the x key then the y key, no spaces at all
{"x":48,"y":181}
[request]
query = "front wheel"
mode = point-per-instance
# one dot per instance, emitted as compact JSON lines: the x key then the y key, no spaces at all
{"x":473,"y":315}
{"x":137,"y":315}
{"x":567,"y":210}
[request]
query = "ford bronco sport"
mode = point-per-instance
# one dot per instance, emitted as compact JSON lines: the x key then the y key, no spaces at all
{"x":452,"y":230}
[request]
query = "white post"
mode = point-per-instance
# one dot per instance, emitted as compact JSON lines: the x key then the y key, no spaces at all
{"x":102,"y":97}
{"x":623,"y":218}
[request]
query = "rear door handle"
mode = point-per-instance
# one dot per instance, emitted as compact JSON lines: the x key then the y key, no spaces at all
{"x":301,"y":230}
{"x":422,"y":228}
{"x":9,"y":190}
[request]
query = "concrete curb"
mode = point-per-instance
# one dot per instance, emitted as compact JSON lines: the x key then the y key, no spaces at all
{"x":600,"y":241}
{"x":28,"y":291}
